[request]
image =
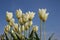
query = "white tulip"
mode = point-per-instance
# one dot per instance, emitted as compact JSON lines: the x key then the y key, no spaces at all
{"x":42,"y":14}
{"x":26,"y":27}
{"x":11,"y":23}
{"x":21,"y":21}
{"x":31,"y":15}
{"x":9,"y":16}
{"x":35,"y":28}
{"x":15,"y":27}
{"x":25,"y":17}
{"x":19,"y":13}
{"x":7,"y":28}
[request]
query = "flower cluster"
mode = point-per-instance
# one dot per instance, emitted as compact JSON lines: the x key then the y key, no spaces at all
{"x":24,"y":22}
{"x":19,"y":30}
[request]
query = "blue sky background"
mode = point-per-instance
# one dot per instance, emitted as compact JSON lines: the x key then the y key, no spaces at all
{"x":52,"y":6}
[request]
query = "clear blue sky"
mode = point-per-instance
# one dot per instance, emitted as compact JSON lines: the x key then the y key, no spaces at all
{"x":52,"y":6}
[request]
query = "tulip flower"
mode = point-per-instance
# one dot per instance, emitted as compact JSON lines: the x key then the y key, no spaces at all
{"x":35,"y":28}
{"x":9,"y":16}
{"x":24,"y":18}
{"x":11,"y":23}
{"x":15,"y":27}
{"x":7,"y":28}
{"x":43,"y":15}
{"x":31,"y":15}
{"x":26,"y":27}
{"x":19,"y":13}
{"x":21,"y":21}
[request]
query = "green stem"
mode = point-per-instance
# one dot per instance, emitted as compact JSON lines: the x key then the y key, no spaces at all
{"x":41,"y":30}
{"x":44,"y":31}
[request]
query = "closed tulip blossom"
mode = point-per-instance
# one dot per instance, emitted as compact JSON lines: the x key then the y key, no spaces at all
{"x":21,"y":21}
{"x":11,"y":23}
{"x":7,"y":28}
{"x":19,"y":13}
{"x":9,"y":16}
{"x":15,"y":27}
{"x":35,"y":28}
{"x":43,"y":15}
{"x":25,"y":18}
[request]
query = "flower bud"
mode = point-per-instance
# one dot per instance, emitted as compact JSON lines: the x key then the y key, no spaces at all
{"x":7,"y":28}
{"x":11,"y":23}
{"x":35,"y":28}
{"x":15,"y":27}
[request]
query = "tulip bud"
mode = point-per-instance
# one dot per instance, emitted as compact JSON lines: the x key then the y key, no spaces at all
{"x":9,"y":16}
{"x":15,"y":27}
{"x":26,"y":27}
{"x":21,"y":21}
{"x":25,"y":18}
{"x":7,"y":28}
{"x":19,"y":13}
{"x":35,"y":28}
{"x":11,"y":23}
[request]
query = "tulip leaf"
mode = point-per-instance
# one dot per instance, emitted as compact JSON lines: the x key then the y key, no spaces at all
{"x":51,"y":36}
{"x":37,"y":38}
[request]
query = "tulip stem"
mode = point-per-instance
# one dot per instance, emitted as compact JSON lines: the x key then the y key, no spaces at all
{"x":44,"y":31}
{"x":41,"y":30}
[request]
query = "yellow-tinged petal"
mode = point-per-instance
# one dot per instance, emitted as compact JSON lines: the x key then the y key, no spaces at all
{"x":19,"y":13}
{"x":7,"y":28}
{"x":9,"y":16}
{"x":45,"y":17}
{"x":31,"y":15}
{"x":11,"y":23}
{"x":15,"y":27}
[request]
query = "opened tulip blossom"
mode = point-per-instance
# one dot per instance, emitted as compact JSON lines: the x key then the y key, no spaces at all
{"x":19,"y":13}
{"x":43,"y":15}
{"x":9,"y":16}
{"x":31,"y":15}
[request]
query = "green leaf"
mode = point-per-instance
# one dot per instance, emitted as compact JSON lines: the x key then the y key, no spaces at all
{"x":37,"y":38}
{"x":13,"y":35}
{"x":51,"y":36}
